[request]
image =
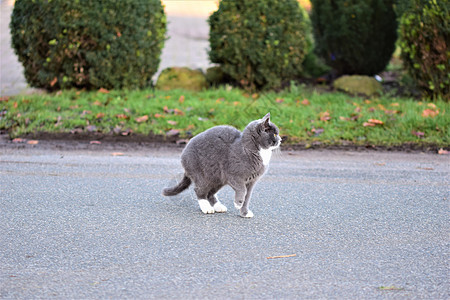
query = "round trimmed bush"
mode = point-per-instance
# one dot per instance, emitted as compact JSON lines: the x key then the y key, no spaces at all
{"x":258,"y":43}
{"x":355,"y":36}
{"x":425,"y":41}
{"x":88,"y":44}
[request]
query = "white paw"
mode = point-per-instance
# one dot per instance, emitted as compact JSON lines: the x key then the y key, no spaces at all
{"x":206,"y":207}
{"x":248,"y":215}
{"x":219,"y":207}
{"x":237,"y":206}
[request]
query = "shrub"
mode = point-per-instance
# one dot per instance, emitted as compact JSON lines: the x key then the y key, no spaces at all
{"x":258,"y":43}
{"x":88,"y":44}
{"x":355,"y":36}
{"x":424,"y":40}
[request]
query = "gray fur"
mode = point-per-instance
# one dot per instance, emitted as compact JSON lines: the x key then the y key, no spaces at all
{"x":223,"y":155}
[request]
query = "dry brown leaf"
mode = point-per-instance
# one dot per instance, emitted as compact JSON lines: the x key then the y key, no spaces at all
{"x":172,"y":122}
{"x":117,"y":154}
{"x":418,"y":133}
{"x":142,"y":119}
{"x":53,"y":82}
{"x":100,"y":115}
{"x":324,"y":116}
{"x":181,"y":99}
{"x":442,"y":151}
{"x":103,"y":91}
{"x":279,"y":100}
{"x":430,"y":113}
{"x":281,"y":256}
{"x":367,"y":124}
{"x":305,"y":102}
{"x":122,"y":116}
{"x":173,"y":132}
{"x":376,"y":122}
{"x":178,"y":112}
{"x":95,"y":142}
{"x":32,"y":142}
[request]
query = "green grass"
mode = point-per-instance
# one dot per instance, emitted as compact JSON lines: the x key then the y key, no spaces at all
{"x":328,"y":118}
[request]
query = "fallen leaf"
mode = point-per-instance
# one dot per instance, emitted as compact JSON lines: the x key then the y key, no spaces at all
{"x":281,"y":256}
{"x":15,"y":104}
{"x":100,"y":115}
{"x":178,"y":112}
{"x":432,"y":105}
{"x":117,"y":154}
{"x":390,"y":288}
{"x":391,"y":112}
{"x":32,"y":142}
{"x":172,"y":122}
{"x":19,"y":140}
{"x":103,"y":91}
{"x":255,"y":95}
{"x":324,"y":116}
{"x":395,"y":104}
{"x":97,"y":103}
{"x":220,"y":100}
{"x":279,"y":100}
{"x":380,"y":164}
{"x":181,"y":99}
{"x":126,"y":132}
{"x":4,"y":98}
{"x":85,"y":112}
{"x":122,"y":116}
{"x":91,"y":128}
{"x":158,"y":116}
{"x":142,"y":119}
{"x":376,"y":122}
{"x":425,"y":168}
{"x":317,"y":131}
{"x":418,"y":133}
{"x":53,"y":82}
{"x":173,"y":132}
{"x":95,"y":142}
{"x":367,"y":124}
{"x":236,"y":103}
{"x":430,"y":113}
{"x":442,"y":152}
{"x":305,"y":102}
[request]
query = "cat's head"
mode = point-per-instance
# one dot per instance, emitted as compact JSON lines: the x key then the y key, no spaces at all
{"x":263,"y":133}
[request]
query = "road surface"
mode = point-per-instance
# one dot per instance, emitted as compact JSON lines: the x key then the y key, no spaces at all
{"x":89,"y":224}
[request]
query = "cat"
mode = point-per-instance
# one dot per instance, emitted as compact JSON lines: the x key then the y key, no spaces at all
{"x":222,"y":155}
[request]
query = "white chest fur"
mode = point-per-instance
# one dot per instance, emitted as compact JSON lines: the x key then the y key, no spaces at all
{"x":265,"y":154}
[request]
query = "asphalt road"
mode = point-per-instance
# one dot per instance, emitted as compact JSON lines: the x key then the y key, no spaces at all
{"x":85,"y":224}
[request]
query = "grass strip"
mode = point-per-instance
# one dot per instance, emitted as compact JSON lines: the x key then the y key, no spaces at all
{"x":303,"y":115}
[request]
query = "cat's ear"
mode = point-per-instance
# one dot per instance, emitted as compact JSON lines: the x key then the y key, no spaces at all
{"x":266,"y":122}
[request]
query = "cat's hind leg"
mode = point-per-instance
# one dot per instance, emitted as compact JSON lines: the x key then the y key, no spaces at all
{"x":203,"y":201}
{"x":214,"y":201}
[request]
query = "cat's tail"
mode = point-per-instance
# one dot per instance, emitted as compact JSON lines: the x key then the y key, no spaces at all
{"x":181,"y":186}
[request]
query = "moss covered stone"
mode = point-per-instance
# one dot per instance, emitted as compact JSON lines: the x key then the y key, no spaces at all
{"x":357,"y":84}
{"x":181,"y":78}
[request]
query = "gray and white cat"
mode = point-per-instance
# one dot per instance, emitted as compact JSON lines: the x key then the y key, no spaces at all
{"x":223,"y":155}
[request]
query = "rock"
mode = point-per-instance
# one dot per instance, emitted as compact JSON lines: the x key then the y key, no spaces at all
{"x":181,"y":78}
{"x":357,"y":84}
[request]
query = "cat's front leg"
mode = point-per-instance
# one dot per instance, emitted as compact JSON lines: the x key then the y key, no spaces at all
{"x":239,"y":197}
{"x":244,"y":211}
